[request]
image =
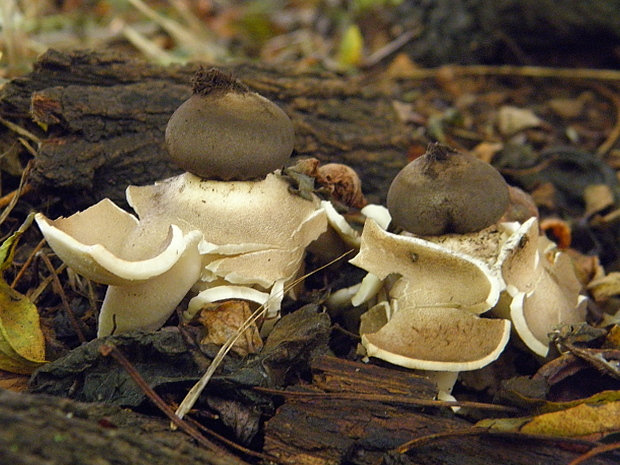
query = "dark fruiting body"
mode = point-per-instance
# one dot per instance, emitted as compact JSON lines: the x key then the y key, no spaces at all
{"x":225,"y":131}
{"x":444,"y":192}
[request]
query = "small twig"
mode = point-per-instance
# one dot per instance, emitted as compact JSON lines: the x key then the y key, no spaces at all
{"x":524,"y":71}
{"x":21,"y":131}
{"x":27,"y":263}
{"x":13,"y":200}
{"x":63,"y":298}
{"x":8,"y":198}
{"x":476,"y":431}
{"x":110,"y":350}
{"x":393,"y":399}
{"x":231,"y":444}
{"x":594,"y":452}
{"x":346,"y":332}
{"x":392,"y":46}
{"x":194,"y":23}
{"x":613,"y":136}
{"x":33,"y":295}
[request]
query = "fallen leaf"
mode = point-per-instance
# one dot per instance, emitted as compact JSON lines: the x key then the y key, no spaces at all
{"x":605,"y":287}
{"x":485,"y":151}
{"x":598,"y":197}
{"x":223,"y":320}
{"x":582,"y":420}
{"x":612,"y":341}
{"x":351,"y":47}
{"x":566,"y":107}
{"x":22,"y":344}
{"x":511,"y":120}
{"x":402,"y":67}
{"x":13,"y":381}
{"x":599,"y":414}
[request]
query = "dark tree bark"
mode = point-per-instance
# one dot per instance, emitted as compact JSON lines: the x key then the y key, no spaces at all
{"x":106,"y":115}
{"x":332,"y":430}
{"x":42,"y":430}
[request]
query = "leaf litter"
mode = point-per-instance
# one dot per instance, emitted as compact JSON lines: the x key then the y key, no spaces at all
{"x":550,"y":176}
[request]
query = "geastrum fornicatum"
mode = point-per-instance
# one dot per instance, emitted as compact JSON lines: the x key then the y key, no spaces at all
{"x":460,"y":263}
{"x":229,"y":228}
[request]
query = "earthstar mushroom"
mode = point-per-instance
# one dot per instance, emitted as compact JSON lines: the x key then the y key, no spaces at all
{"x":225,"y":131}
{"x":445,"y":191}
{"x":241,"y":231}
{"x":451,"y":265}
{"x":221,"y":233}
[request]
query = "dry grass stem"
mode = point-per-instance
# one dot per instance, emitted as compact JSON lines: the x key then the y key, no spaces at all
{"x":191,"y":397}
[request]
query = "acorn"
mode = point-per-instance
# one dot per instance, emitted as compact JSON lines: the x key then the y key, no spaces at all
{"x":224,"y":131}
{"x":445,"y":191}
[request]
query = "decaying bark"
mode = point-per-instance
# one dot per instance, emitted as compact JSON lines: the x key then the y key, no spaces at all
{"x":43,"y":430}
{"x":39,"y":429}
{"x":326,"y":431}
{"x":102,"y":119}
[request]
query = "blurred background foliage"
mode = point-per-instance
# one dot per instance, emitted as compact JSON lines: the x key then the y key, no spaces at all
{"x":335,"y":34}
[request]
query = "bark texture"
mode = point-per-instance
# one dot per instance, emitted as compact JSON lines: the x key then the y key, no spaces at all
{"x":42,"y":430}
{"x":331,"y":430}
{"x":103,"y":119}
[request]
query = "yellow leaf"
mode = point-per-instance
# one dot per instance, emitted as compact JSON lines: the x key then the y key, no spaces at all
{"x":612,"y":341}
{"x":596,"y":399}
{"x":582,"y":420}
{"x":22,"y":344}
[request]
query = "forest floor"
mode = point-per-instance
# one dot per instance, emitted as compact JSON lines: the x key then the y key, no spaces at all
{"x":308,"y":396}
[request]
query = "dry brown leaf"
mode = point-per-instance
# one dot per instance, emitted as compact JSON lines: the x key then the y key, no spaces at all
{"x":222,"y":322}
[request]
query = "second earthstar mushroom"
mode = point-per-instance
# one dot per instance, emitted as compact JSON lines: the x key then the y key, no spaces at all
{"x":438,"y":285}
{"x":445,"y":191}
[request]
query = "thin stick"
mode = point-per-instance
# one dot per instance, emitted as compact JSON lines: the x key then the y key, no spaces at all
{"x":63,"y":298}
{"x":596,"y":451}
{"x":110,"y":350}
{"x":13,"y":201}
{"x":34,"y":295}
{"x":27,"y":263}
{"x":19,"y":130}
{"x":476,"y":431}
{"x":394,"y":399}
{"x":392,"y":46}
{"x":8,"y":198}
{"x":613,"y":136}
{"x":193,"y":394}
{"x":524,"y":71}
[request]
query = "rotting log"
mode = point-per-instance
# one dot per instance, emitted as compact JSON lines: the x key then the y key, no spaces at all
{"x":326,"y":430}
{"x":101,"y":118}
{"x":44,"y":430}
